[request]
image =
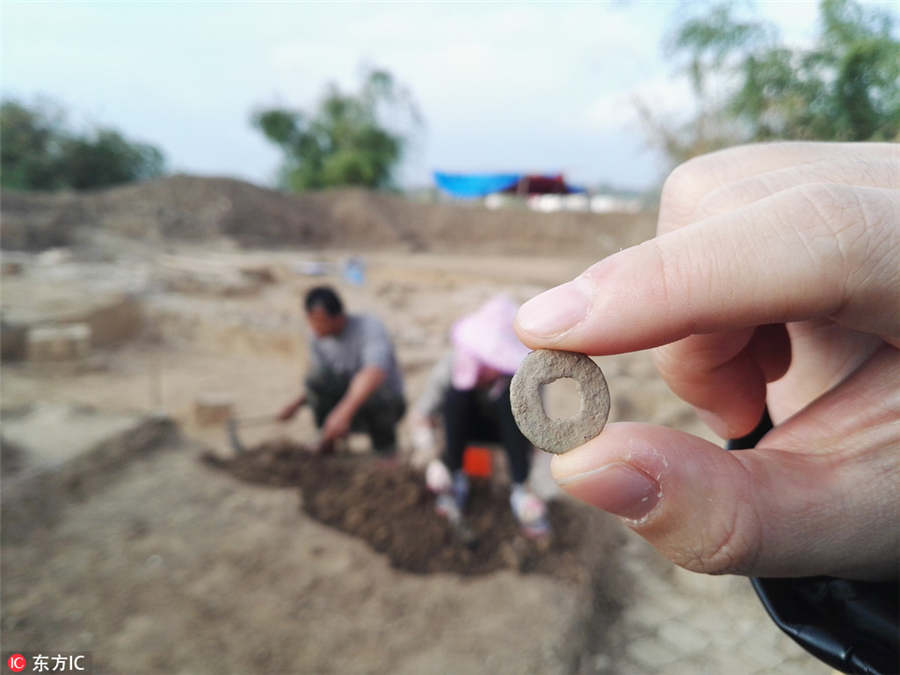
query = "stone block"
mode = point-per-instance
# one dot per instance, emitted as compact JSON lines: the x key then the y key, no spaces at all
{"x":63,"y":342}
{"x":113,"y":321}
{"x":13,"y":340}
{"x":212,"y":409}
{"x":11,"y":268}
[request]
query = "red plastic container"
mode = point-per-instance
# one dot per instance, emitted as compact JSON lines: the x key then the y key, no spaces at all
{"x":477,"y":462}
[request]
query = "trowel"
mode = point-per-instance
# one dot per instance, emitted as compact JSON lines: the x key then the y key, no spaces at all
{"x":232,"y":424}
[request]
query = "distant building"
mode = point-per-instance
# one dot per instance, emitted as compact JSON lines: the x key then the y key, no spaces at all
{"x":613,"y":204}
{"x":546,"y":193}
{"x":474,"y":185}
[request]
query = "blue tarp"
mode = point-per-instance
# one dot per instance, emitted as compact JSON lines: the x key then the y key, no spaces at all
{"x":475,"y":184}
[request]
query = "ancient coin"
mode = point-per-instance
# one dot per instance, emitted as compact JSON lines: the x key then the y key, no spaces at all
{"x":542,"y":367}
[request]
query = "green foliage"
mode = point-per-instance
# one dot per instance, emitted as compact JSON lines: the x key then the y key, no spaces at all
{"x":844,"y":88}
{"x":29,"y":146}
{"x":345,"y":141}
{"x":107,"y":158}
{"x":40,"y":153}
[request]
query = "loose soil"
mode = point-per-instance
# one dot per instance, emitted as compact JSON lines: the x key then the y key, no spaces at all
{"x":390,"y":508}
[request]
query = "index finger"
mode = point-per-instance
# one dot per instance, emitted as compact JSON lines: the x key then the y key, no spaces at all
{"x":811,"y":251}
{"x":730,"y":174}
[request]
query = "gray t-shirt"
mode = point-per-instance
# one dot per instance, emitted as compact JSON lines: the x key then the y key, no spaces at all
{"x":363,"y":342}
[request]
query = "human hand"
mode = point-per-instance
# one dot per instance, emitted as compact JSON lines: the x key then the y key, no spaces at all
{"x":422,"y":434}
{"x":775,"y":279}
{"x":287,"y":412}
{"x":336,"y":425}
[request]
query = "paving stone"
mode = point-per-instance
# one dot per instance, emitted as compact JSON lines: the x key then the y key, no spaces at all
{"x":718,"y":628}
{"x":675,"y":603}
{"x":686,"y":638}
{"x":704,"y":584}
{"x":759,"y":654}
{"x":708,"y":664}
{"x":649,"y":615}
{"x":803,"y":665}
{"x":651,"y":652}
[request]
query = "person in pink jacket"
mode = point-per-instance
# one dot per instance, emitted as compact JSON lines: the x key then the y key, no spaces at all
{"x":468,"y":393}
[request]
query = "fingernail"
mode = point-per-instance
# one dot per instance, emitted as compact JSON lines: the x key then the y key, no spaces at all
{"x":554,"y":311}
{"x":617,"y":488}
{"x":714,"y":422}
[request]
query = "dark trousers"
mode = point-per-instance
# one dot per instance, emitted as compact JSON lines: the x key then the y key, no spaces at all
{"x":475,"y":416}
{"x":377,"y":416}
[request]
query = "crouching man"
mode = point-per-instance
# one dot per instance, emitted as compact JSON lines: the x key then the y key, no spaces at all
{"x":353,"y":383}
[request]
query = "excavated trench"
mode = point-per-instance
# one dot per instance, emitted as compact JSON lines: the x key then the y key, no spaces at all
{"x":390,"y":508}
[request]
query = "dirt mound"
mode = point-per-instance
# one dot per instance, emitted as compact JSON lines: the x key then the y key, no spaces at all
{"x":190,"y":208}
{"x":34,"y":221}
{"x":11,"y":458}
{"x":391,"y":510}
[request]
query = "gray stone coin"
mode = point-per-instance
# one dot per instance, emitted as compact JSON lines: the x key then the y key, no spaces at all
{"x":558,"y":435}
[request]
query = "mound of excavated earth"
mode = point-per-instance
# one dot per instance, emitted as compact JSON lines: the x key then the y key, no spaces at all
{"x":189,"y":208}
{"x":391,"y":510}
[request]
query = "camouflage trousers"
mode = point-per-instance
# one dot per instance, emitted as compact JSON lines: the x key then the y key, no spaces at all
{"x":377,"y":416}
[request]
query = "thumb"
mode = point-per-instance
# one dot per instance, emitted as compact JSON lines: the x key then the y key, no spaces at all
{"x":761,"y":512}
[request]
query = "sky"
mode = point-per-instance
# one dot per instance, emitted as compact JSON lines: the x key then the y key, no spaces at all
{"x":502,"y":87}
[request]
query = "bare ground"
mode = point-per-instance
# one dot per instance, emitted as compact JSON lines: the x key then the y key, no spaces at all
{"x":170,"y":565}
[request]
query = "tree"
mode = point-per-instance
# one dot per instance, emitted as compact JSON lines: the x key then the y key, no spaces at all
{"x":347,"y":140}
{"x":29,"y":146}
{"x":749,"y":87}
{"x":107,"y":158}
{"x":40,"y":153}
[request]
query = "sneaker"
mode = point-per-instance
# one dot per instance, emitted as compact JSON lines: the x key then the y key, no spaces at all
{"x":445,"y":505}
{"x":451,"y":502}
{"x":530,"y":512}
{"x":460,"y":489}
